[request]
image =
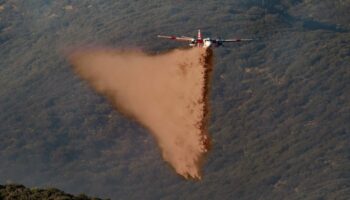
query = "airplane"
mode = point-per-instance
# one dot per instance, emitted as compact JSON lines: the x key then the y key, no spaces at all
{"x":202,"y":42}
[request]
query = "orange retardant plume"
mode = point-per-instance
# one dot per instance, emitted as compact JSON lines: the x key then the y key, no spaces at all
{"x":166,"y":93}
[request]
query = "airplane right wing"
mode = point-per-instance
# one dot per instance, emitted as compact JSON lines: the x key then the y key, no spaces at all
{"x":182,"y":38}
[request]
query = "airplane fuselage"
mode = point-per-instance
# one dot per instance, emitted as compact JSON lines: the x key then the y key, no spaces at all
{"x":204,"y":43}
{"x":199,"y":41}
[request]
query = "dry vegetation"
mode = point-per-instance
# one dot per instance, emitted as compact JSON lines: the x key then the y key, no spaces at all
{"x":19,"y":192}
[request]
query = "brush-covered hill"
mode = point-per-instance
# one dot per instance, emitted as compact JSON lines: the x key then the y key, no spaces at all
{"x":16,"y":192}
{"x":280,"y":105}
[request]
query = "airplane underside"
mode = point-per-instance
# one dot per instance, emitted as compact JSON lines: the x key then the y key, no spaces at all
{"x":199,"y":41}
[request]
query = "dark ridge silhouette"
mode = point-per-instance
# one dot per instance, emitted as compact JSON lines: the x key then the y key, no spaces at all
{"x":20,"y":192}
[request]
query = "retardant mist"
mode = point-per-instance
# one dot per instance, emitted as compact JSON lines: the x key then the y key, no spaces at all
{"x":166,"y":93}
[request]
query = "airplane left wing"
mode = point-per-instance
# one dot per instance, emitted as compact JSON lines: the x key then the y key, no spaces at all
{"x":182,"y":38}
{"x":234,"y":40}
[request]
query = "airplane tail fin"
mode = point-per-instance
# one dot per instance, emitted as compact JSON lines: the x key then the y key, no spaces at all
{"x":199,"y":36}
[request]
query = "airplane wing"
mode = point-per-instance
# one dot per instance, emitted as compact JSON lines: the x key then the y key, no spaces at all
{"x":182,"y":38}
{"x":234,"y":40}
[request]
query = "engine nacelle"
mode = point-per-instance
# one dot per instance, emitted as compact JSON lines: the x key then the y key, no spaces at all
{"x":207,"y":43}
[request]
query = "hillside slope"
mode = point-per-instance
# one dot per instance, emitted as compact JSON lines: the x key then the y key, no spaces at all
{"x":280,"y":105}
{"x":14,"y":192}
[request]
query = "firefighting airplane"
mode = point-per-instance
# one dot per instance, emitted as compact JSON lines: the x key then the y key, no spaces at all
{"x":203,"y":42}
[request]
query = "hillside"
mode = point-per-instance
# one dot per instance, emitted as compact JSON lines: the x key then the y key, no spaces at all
{"x":280,"y":106}
{"x":15,"y":192}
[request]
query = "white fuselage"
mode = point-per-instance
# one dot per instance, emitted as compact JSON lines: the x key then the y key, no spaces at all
{"x":205,"y":43}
